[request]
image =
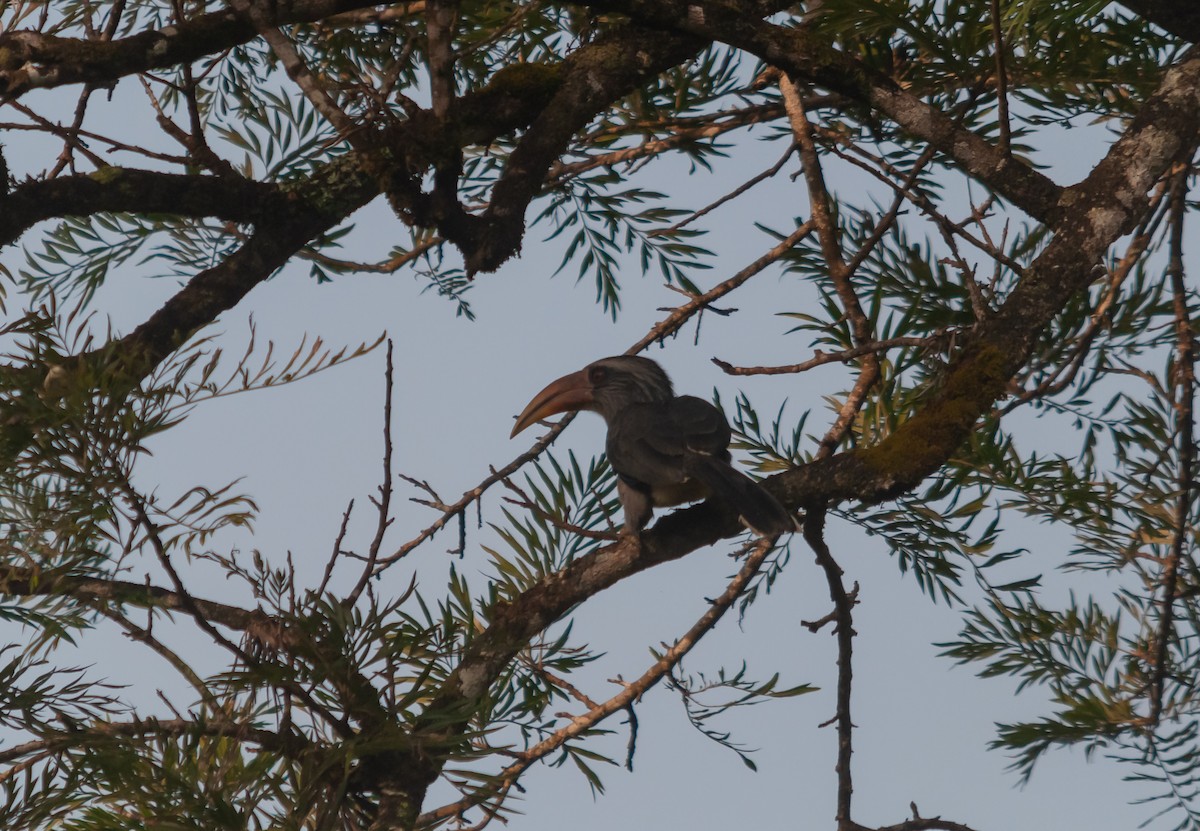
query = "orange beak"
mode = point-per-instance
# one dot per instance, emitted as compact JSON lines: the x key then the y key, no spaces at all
{"x":570,"y":392}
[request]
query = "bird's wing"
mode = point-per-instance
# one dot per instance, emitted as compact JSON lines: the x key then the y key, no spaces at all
{"x":702,"y":426}
{"x":650,"y":443}
{"x":644,"y":445}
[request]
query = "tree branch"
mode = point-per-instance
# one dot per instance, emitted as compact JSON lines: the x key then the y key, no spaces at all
{"x":116,"y":189}
{"x":843,"y":615}
{"x":292,"y":746}
{"x":21,"y":581}
{"x":840,"y":273}
{"x":820,"y":358}
{"x":31,"y":60}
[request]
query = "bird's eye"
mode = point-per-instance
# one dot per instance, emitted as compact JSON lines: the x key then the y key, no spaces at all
{"x":597,"y":375}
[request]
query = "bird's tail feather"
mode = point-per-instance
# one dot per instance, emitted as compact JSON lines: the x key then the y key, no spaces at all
{"x":758,"y":509}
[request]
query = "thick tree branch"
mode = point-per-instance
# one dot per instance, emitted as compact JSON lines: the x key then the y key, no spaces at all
{"x":221,"y":287}
{"x":31,"y":60}
{"x":1103,"y":207}
{"x":288,"y":217}
{"x":115,"y":189}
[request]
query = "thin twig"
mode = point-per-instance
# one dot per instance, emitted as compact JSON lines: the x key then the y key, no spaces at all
{"x":53,"y":129}
{"x":64,"y":133}
{"x":383,"y":505}
{"x":1184,"y":392}
{"x":892,"y":214}
{"x":453,"y":510}
{"x":843,"y":606}
{"x":164,"y":559}
{"x":979,"y":304}
{"x":337,"y":549}
{"x":193,"y":142}
{"x":915,"y":196}
{"x":159,"y":547}
{"x":388,"y":266}
{"x":673,"y":322}
{"x":749,"y":184}
{"x":71,"y":135}
{"x":705,"y":128}
{"x":820,"y":358}
{"x":144,"y":635}
{"x":571,"y":690}
{"x":840,"y":272}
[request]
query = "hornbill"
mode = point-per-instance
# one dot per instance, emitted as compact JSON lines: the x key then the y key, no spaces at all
{"x":665,"y":449}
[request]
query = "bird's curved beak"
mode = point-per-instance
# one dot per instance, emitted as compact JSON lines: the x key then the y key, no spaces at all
{"x":570,"y":392}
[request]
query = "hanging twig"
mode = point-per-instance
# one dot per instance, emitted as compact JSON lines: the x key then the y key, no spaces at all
{"x":843,"y":612}
{"x":1184,"y":389}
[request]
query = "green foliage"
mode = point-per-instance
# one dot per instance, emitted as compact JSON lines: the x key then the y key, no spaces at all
{"x":706,"y":698}
{"x":281,"y":135}
{"x":77,"y":257}
{"x":69,"y":513}
{"x":559,"y":500}
{"x":452,"y":284}
{"x":611,"y":223}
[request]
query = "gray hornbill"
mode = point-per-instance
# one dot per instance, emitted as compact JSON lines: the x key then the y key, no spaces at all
{"x":665,"y":449}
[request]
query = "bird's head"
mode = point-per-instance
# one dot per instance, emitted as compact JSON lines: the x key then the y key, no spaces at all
{"x":605,"y":386}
